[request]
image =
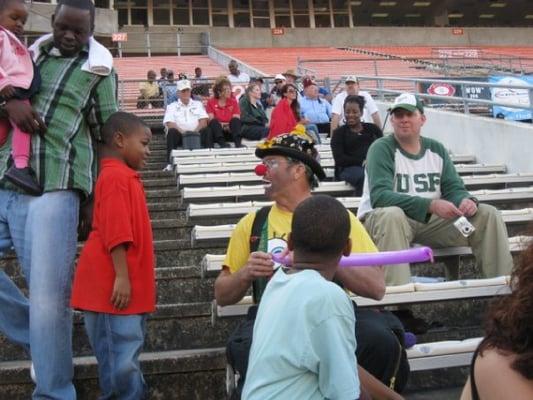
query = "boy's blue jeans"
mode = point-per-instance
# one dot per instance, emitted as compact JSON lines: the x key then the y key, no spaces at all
{"x":43,"y":231}
{"x":117,"y":341}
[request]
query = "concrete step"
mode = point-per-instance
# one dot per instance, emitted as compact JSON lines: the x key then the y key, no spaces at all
{"x":160,"y":183}
{"x":176,"y":374}
{"x":171,"y":327}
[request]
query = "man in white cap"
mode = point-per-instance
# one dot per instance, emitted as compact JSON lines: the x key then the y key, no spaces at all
{"x":275,"y":93}
{"x":370,"y":112}
{"x":185,"y":117}
{"x":413,"y":193}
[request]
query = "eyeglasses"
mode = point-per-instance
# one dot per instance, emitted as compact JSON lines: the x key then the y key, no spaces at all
{"x":271,"y":164}
{"x":291,"y":91}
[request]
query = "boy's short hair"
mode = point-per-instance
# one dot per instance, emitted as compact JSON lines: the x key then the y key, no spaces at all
{"x":320,"y":226}
{"x":120,"y":121}
{"x":80,"y":4}
{"x":5,"y":3}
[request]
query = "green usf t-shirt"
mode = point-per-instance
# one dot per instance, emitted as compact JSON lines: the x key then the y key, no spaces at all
{"x":409,"y":181}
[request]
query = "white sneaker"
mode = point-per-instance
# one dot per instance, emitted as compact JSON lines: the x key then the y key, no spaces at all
{"x":168,"y":168}
{"x":32,"y":373}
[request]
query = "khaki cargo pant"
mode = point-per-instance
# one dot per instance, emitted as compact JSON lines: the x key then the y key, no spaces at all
{"x":391,"y":230}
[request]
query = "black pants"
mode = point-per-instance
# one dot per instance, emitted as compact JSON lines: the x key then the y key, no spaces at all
{"x":254,"y":132}
{"x":324,"y":127}
{"x":220,"y":135}
{"x":175,"y":140}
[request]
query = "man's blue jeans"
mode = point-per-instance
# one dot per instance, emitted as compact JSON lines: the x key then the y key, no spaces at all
{"x":117,"y":341}
{"x":43,"y":232}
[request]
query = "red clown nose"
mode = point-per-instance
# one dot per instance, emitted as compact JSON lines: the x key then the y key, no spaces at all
{"x":260,"y":169}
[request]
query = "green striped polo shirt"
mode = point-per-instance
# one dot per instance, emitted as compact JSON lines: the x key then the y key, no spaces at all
{"x":74,"y":104}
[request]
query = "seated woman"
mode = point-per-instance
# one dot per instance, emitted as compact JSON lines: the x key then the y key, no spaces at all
{"x":253,"y":117}
{"x":224,"y":114}
{"x":350,"y":143}
{"x":286,"y":114}
{"x":502,"y":366}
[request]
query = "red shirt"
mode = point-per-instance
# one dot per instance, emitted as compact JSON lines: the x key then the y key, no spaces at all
{"x":282,"y":119}
{"x":120,"y":216}
{"x":223,"y":113}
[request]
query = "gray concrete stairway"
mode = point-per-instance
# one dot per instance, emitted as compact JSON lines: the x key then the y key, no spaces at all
{"x":184,"y":353}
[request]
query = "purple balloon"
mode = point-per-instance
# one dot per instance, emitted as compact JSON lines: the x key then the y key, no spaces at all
{"x":416,"y":254}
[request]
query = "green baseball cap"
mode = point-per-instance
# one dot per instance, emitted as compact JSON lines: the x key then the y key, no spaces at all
{"x":407,"y":101}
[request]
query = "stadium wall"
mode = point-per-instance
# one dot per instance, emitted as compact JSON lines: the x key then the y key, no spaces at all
{"x":493,"y":141}
{"x":40,"y":17}
{"x":369,"y":36}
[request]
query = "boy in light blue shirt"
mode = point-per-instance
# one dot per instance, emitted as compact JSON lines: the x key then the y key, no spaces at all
{"x":303,"y":342}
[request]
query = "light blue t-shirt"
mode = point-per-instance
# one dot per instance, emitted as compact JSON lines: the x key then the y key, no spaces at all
{"x":304,"y":341}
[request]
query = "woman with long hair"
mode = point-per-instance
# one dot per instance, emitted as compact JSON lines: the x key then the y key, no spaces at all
{"x":224,"y":114}
{"x":286,"y":114}
{"x":350,"y":143}
{"x":502,"y":366}
{"x":253,"y":115}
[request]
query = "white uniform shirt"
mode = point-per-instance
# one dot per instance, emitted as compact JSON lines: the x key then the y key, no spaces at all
{"x":370,"y":107}
{"x":185,"y":116}
{"x":242,"y":79}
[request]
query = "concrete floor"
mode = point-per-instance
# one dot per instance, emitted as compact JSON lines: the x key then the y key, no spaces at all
{"x":441,"y":394}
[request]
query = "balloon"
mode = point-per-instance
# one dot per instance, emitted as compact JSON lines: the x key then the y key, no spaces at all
{"x":416,"y":254}
{"x":260,"y":169}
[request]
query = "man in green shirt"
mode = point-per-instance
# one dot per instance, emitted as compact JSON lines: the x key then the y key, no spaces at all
{"x":74,"y":101}
{"x":413,"y":193}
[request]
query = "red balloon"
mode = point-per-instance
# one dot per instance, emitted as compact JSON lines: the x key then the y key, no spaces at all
{"x":260,"y":169}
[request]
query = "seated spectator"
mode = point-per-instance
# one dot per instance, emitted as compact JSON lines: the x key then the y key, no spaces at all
{"x":253,"y":117}
{"x":502,"y":366}
{"x":224,"y":114}
{"x":286,"y":115}
{"x":315,"y":110}
{"x":275,"y":93}
{"x":265,"y":97}
{"x":200,"y":86}
{"x":236,"y":77}
{"x":413,"y":194}
{"x":350,"y":143}
{"x":185,"y":117}
{"x":303,"y":343}
{"x":370,"y":113}
{"x":162,"y":79}
{"x":149,"y":90}
{"x":169,"y":88}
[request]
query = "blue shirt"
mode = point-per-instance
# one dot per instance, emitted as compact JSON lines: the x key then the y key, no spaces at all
{"x":303,"y":342}
{"x":317,"y":111}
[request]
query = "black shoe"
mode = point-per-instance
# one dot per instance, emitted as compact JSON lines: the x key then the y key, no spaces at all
{"x":224,"y":145}
{"x":25,"y":179}
{"x":410,"y":323}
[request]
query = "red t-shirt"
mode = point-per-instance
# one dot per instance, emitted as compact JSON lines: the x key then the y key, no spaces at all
{"x":120,"y":216}
{"x":225,"y":113}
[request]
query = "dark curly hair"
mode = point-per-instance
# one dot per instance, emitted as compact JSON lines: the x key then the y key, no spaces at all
{"x":509,"y":325}
{"x":219,"y":84}
{"x":295,"y":106}
{"x":359,"y":100}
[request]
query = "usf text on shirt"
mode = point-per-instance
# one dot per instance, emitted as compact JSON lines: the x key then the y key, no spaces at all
{"x":410,"y":181}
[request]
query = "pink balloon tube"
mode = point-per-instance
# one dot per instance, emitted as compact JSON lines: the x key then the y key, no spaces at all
{"x":416,"y":254}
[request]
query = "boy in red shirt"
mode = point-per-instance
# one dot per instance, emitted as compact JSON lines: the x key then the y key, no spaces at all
{"x":114,"y":283}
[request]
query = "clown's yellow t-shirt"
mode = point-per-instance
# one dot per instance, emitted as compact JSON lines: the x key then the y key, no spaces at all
{"x":279,"y":227}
